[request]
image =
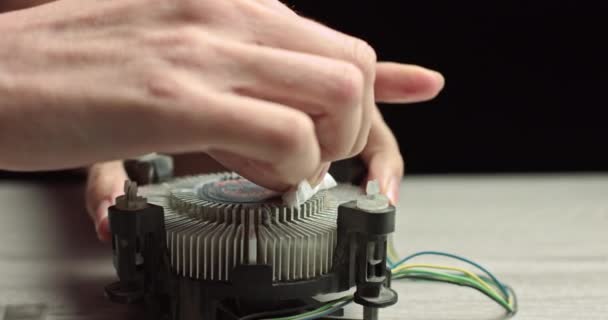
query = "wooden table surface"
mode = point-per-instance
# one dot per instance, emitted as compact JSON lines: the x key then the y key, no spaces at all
{"x":546,"y":235}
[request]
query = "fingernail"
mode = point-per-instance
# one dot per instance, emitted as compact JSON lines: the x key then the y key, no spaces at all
{"x":392,"y":190}
{"x":103,"y":230}
{"x":101,"y":220}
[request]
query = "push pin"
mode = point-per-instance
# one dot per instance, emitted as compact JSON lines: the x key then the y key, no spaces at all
{"x":373,"y":200}
{"x":130,"y":201}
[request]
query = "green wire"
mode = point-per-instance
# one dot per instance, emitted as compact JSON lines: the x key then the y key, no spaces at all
{"x":499,"y":285}
{"x":444,"y":277}
{"x":419,"y":274}
{"x":510,"y":310}
{"x":455,"y":279}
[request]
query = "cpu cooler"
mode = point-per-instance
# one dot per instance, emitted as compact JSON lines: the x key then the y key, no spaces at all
{"x":219,"y":247}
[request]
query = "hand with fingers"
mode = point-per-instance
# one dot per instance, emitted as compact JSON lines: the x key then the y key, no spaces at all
{"x":269,"y":94}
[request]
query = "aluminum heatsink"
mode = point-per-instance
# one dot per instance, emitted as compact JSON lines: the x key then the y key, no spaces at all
{"x":218,"y":221}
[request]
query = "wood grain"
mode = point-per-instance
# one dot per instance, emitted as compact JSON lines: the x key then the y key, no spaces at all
{"x":546,"y":235}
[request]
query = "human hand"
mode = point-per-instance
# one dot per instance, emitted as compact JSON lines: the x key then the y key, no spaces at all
{"x":394,"y":83}
{"x":117,"y":79}
{"x":271,"y":94}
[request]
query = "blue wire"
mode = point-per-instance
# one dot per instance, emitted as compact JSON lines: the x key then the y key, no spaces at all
{"x":445,"y":254}
{"x":329,"y":311}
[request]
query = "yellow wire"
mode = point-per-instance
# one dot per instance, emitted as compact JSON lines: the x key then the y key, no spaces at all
{"x":464,"y":271}
{"x":392,"y":251}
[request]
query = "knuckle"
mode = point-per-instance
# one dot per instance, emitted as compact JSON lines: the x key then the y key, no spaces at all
{"x":364,"y":57}
{"x":293,"y":135}
{"x":347,"y":86}
{"x":334,"y":151}
{"x":358,"y":147}
{"x":336,"y":146}
{"x":162,"y":84}
{"x":363,"y":136}
{"x":344,"y":145}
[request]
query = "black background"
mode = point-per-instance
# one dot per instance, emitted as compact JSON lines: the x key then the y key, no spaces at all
{"x":525,"y":82}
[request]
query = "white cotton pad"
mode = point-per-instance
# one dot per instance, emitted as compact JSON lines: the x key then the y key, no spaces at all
{"x":304,"y":191}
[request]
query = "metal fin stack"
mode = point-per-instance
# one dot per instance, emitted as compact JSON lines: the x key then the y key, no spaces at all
{"x":214,"y":223}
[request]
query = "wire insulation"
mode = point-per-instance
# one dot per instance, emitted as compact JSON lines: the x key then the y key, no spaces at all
{"x":485,"y":283}
{"x":433,"y":266}
{"x":458,"y":280}
{"x":457,"y":257}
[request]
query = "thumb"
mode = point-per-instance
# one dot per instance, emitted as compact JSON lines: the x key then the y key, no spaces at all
{"x":105,"y":182}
